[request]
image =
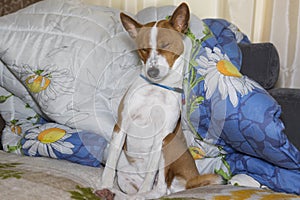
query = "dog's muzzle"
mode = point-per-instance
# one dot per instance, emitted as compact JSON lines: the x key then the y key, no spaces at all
{"x":153,"y":72}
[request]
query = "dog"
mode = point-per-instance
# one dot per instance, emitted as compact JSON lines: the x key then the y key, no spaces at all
{"x":147,"y":152}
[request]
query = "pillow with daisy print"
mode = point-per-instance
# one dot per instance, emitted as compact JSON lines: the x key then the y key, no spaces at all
{"x":28,"y":133}
{"x":233,"y":113}
{"x":62,"y":142}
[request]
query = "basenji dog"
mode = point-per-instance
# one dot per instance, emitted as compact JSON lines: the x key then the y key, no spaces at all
{"x":146,"y":153}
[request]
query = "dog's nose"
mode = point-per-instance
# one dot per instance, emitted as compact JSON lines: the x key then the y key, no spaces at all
{"x":153,"y":72}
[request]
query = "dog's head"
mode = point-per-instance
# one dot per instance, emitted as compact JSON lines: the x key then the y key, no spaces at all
{"x":159,"y":43}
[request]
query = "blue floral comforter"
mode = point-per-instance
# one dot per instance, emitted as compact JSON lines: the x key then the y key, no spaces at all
{"x":235,"y":122}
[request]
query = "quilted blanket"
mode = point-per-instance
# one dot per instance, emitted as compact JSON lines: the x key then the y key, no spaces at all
{"x":42,"y":178}
{"x":65,"y":66}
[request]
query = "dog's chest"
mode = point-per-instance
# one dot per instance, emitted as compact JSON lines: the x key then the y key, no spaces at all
{"x":151,"y":108}
{"x":149,"y":112}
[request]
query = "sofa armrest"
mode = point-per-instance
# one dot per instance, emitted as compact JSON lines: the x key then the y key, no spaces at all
{"x":289,"y":99}
{"x":261,"y":63}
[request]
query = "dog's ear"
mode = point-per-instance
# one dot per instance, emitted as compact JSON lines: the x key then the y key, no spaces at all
{"x":180,"y":18}
{"x":130,"y":25}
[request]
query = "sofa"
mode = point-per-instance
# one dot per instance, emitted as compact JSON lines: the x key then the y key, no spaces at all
{"x":43,"y":178}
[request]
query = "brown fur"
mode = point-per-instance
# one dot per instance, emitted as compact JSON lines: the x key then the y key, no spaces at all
{"x":167,"y":46}
{"x":178,"y":160}
{"x":169,"y":31}
{"x":180,"y":163}
{"x":120,"y":110}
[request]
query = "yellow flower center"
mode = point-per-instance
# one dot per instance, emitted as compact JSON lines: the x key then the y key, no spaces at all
{"x":51,"y":135}
{"x":196,"y":152}
{"x":226,"y":68}
{"x":16,"y":129}
{"x":37,"y":83}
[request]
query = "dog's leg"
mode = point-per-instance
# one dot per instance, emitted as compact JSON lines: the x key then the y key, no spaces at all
{"x":114,"y":152}
{"x":153,"y":164}
{"x":159,"y":189}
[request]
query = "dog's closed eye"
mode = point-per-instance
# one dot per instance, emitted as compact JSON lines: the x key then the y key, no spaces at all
{"x":164,"y":45}
{"x":144,"y":50}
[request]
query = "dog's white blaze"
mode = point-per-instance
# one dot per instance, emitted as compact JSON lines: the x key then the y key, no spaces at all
{"x":152,"y":60}
{"x":153,"y":38}
{"x":156,"y":60}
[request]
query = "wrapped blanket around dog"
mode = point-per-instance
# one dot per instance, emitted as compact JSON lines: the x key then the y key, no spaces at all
{"x":65,"y":66}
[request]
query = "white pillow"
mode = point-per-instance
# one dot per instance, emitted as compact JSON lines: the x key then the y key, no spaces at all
{"x":75,"y":61}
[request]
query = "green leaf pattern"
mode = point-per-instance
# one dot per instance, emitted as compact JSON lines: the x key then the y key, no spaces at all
{"x":193,"y":101}
{"x":7,"y":171}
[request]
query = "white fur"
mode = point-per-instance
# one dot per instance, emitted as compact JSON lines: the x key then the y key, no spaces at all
{"x":178,"y":184}
{"x":149,"y":114}
{"x":153,"y":36}
{"x":156,"y":60}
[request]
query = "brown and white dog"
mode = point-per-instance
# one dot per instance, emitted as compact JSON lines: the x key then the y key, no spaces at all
{"x":147,"y":152}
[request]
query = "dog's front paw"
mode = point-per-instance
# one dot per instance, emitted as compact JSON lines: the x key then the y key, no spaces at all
{"x":105,"y":194}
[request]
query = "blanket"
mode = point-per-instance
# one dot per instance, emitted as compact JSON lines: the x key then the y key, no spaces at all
{"x":42,"y":178}
{"x":65,"y":67}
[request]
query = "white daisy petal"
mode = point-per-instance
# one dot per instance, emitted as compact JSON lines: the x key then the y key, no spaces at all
{"x":215,"y":58}
{"x":252,"y":83}
{"x":31,"y":136}
{"x":202,"y":71}
{"x":65,"y":144}
{"x":212,"y":83}
{"x":238,"y":84}
{"x":61,"y":148}
{"x":218,"y":53}
{"x":208,"y":50}
{"x":36,"y":130}
{"x":202,"y":61}
{"x":232,"y":94}
{"x":42,"y":149}
{"x":47,"y":126}
{"x":211,"y":65}
{"x":50,"y":68}
{"x":212,"y":74}
{"x":28,"y":144}
{"x":61,"y":73}
{"x":33,"y":149}
{"x":222,"y":87}
{"x":64,"y":89}
{"x":51,"y":152}
{"x":247,"y":87}
{"x":51,"y":93}
{"x":66,"y":136}
{"x":62,"y":81}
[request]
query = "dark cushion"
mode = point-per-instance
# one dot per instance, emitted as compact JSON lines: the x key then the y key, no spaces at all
{"x":261,"y":63}
{"x":2,"y":124}
{"x":289,"y":99}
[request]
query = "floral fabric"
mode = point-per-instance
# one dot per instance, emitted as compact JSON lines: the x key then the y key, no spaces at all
{"x":233,"y":115}
{"x":61,"y":82}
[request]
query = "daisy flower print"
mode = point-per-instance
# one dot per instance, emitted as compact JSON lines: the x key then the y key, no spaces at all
{"x":222,"y":76}
{"x":46,"y":83}
{"x":47,"y":139}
